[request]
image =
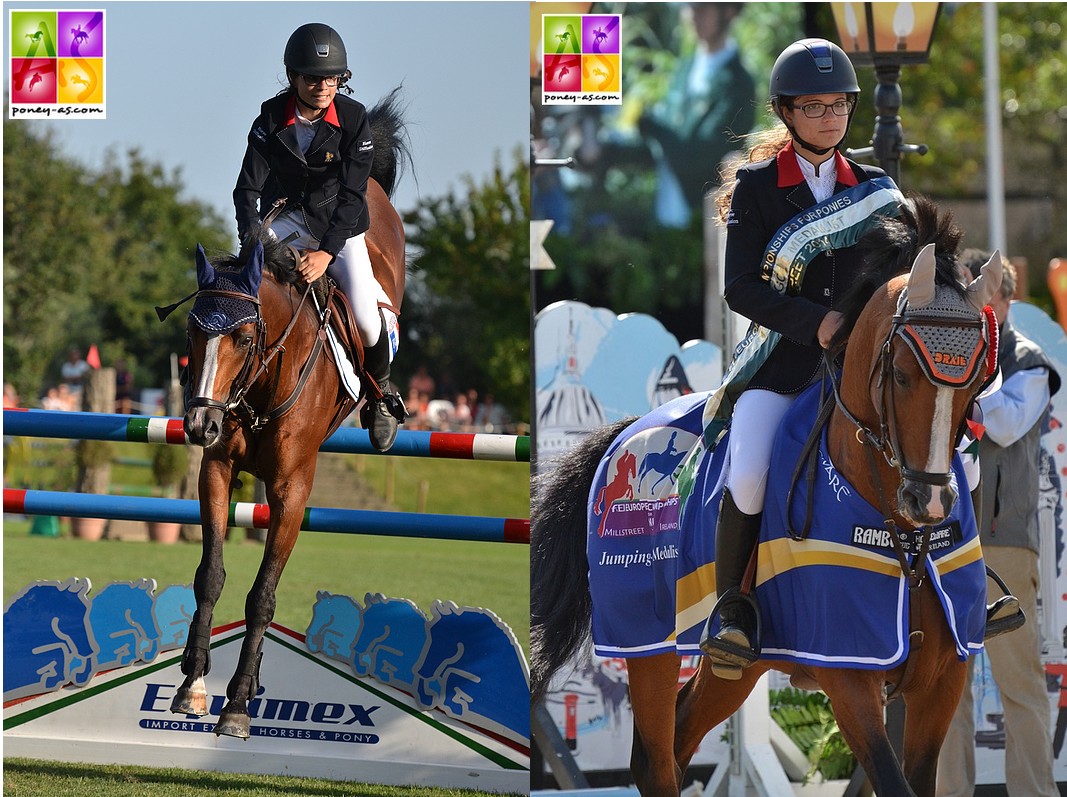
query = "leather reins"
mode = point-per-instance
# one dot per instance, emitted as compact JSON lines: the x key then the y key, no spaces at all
{"x":887,"y":443}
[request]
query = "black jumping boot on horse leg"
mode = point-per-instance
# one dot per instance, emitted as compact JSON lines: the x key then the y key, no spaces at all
{"x":737,"y":644}
{"x":382,"y":410}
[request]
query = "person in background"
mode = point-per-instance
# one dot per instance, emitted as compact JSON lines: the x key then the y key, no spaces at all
{"x":1014,"y":419}
{"x":11,"y":396}
{"x":422,"y":382}
{"x":123,"y":388}
{"x":73,"y":371}
{"x":709,"y":103}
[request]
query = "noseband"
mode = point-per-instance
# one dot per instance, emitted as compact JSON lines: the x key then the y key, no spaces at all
{"x":903,"y":325}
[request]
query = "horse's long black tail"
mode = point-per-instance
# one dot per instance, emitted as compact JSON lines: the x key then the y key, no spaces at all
{"x":560,"y":605}
{"x":392,"y":149}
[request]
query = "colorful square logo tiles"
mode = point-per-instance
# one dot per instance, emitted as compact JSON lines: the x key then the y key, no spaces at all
{"x":582,"y":59}
{"x":56,"y":64}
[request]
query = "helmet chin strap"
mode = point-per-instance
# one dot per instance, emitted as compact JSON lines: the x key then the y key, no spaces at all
{"x":300,"y":101}
{"x":809,"y":146}
{"x":812,"y":147}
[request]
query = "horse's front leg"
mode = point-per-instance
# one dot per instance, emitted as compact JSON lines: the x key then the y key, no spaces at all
{"x":856,"y":697}
{"x":932,"y":697}
{"x":704,"y":702}
{"x":653,"y":691}
{"x":214,"y":484}
{"x":287,"y":495}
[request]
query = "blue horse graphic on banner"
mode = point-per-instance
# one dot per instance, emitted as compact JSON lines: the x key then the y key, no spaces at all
{"x":48,"y":641}
{"x":474,"y":670}
{"x":174,"y":611}
{"x":124,"y":623}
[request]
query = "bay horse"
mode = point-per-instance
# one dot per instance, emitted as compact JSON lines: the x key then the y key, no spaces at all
{"x":263,"y":401}
{"x":886,"y":414}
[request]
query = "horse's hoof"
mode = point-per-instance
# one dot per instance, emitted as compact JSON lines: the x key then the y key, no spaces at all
{"x":190,"y":702}
{"x":231,"y":724}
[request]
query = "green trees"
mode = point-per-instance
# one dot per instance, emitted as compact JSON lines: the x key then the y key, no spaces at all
{"x":468,"y":298}
{"x":89,"y":253}
{"x":87,"y":256}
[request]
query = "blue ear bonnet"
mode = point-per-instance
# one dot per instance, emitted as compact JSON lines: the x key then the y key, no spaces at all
{"x":218,"y":315}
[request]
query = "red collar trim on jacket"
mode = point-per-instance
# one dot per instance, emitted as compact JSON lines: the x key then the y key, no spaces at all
{"x":290,"y":113}
{"x":789,"y":173}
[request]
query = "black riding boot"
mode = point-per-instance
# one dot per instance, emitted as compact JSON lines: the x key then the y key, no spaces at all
{"x":380,"y":416}
{"x":737,"y":645}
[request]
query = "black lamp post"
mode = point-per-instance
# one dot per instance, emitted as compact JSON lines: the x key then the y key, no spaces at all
{"x":887,"y":36}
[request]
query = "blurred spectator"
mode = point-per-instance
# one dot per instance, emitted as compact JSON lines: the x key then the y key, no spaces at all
{"x":422,"y":382}
{"x":438,"y":412}
{"x":710,"y":101}
{"x":490,"y":416}
{"x":123,"y":388}
{"x":461,"y":413}
{"x":51,"y":401}
{"x":73,"y":371}
{"x":472,"y":402}
{"x":416,"y":405}
{"x":11,"y":396}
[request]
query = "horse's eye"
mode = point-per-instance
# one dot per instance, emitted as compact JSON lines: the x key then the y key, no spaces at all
{"x":244,"y":341}
{"x":900,"y":378}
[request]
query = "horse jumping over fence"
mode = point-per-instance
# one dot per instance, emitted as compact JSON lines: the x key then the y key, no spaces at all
{"x":263,"y":402}
{"x":894,"y":417}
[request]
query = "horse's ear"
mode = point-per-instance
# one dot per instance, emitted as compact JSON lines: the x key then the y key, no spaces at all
{"x":252,"y":275}
{"x":205,"y":272}
{"x":985,"y":287}
{"x":921,"y":281}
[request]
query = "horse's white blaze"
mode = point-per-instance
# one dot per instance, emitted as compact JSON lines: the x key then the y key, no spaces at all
{"x":211,"y":366}
{"x":940,"y":457}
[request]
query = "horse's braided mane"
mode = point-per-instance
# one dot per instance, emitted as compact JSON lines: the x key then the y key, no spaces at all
{"x":889,"y":249}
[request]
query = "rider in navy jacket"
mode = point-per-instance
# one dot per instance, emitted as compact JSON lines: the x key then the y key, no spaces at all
{"x":813,"y":90}
{"x":313,"y":147}
{"x":328,"y":183}
{"x":766,"y":196}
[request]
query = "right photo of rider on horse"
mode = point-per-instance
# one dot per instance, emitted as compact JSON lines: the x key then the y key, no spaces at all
{"x":855,"y":498}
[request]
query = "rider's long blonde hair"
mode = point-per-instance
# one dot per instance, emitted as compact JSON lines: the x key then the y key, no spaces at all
{"x":762,"y":145}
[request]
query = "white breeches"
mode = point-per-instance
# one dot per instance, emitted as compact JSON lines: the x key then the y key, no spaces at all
{"x":351,"y":269}
{"x":756,"y":417}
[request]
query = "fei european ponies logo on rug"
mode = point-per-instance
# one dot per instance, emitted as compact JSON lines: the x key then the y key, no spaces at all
{"x":582,"y":59}
{"x":56,"y":64}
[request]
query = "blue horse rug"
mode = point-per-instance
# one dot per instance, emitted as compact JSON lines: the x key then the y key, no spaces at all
{"x":835,"y":599}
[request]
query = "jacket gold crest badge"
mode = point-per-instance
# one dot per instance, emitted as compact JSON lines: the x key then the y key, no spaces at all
{"x":329,"y":157}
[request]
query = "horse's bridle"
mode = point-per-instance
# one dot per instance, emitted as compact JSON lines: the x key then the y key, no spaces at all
{"x":259,"y":351}
{"x":887,"y":441}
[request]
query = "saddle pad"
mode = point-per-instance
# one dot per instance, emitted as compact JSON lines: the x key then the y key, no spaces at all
{"x":837,"y":598}
{"x":636,"y":548}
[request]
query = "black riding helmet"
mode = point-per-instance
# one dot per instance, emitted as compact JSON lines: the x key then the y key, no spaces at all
{"x":812,"y":66}
{"x":316,"y":49}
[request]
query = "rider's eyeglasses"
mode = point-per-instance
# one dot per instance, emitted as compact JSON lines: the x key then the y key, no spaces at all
{"x":817,"y":110}
{"x":314,"y":80}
